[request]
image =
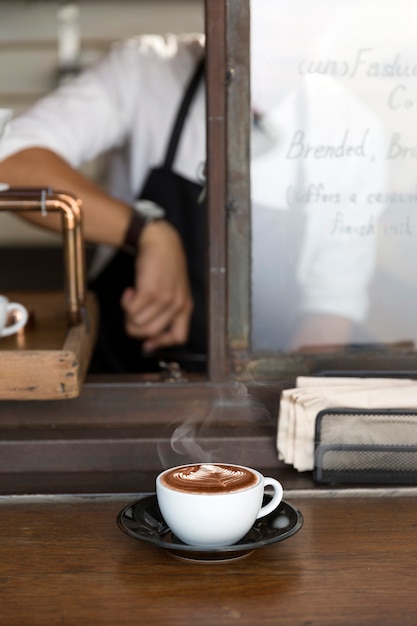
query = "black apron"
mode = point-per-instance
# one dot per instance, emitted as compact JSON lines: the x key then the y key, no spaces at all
{"x":115,"y":351}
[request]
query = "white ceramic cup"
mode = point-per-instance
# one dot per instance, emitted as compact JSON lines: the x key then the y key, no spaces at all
{"x":8,"y":308}
{"x":213,"y":504}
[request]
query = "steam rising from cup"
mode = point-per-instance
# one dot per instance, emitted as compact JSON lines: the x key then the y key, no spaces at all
{"x":194,"y":438}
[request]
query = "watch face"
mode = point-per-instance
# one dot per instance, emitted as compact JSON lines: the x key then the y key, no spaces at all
{"x":149,"y":209}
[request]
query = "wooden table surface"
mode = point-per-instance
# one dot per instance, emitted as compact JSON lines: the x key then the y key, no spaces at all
{"x":64,"y":561}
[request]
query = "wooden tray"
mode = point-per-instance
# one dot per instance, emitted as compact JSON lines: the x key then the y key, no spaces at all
{"x":48,"y":359}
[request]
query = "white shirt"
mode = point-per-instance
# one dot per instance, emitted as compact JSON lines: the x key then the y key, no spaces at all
{"x":321,"y":162}
{"x":127,"y":101}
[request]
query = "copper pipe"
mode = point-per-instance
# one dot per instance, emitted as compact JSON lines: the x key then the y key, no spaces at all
{"x":80,"y":267}
{"x":39,"y":199}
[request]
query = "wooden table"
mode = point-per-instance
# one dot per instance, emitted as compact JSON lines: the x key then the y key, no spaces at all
{"x":64,"y":561}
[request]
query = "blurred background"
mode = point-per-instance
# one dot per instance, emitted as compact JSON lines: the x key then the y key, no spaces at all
{"x":44,"y":42}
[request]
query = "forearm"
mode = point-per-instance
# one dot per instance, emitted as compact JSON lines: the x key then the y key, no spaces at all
{"x":105,"y":219}
{"x":158,"y":306}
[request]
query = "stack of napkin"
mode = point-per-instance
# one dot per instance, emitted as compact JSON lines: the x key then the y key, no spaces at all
{"x":299,"y":408}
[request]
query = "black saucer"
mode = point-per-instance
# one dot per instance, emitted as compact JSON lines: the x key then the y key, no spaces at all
{"x":142,"y":520}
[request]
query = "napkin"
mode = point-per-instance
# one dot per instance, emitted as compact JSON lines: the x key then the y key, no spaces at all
{"x":300,"y":406}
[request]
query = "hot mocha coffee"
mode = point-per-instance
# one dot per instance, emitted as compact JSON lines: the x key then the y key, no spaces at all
{"x":209,"y":478}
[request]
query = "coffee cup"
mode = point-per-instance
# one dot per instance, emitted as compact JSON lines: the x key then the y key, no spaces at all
{"x":214,"y":504}
{"x":11,"y":308}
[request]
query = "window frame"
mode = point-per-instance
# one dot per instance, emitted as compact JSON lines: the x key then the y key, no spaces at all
{"x":228,"y":130}
{"x":242,"y":361}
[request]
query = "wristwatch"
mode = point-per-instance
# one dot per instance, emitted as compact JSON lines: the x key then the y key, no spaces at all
{"x":143,"y":212}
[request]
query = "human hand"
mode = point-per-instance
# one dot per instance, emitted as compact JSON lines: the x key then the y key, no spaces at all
{"x":158,"y":308}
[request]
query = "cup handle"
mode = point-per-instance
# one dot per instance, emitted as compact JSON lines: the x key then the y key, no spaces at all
{"x":276,"y":498}
{"x":13,"y":328}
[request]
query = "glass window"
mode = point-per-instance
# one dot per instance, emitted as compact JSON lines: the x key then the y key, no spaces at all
{"x":333,"y":175}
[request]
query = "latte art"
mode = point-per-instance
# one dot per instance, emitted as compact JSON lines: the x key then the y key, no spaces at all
{"x":209,"y":478}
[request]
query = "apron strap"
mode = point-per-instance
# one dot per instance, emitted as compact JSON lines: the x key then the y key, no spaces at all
{"x":182,"y":114}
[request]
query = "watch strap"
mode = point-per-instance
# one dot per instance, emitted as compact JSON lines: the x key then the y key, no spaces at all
{"x":133,"y":232}
{"x":143,"y":213}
